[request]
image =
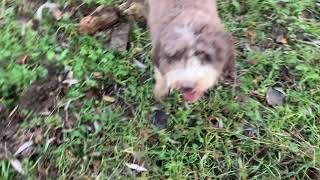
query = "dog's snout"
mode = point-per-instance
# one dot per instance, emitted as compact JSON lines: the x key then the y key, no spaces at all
{"x":187,"y":87}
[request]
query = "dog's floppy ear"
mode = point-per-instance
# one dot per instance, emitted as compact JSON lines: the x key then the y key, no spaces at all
{"x":229,"y":70}
{"x":230,"y":52}
{"x":223,"y":43}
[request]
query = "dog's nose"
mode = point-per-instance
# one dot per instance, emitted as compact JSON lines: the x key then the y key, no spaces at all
{"x":187,"y":87}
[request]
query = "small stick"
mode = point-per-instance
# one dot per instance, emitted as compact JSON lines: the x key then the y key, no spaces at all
{"x":3,"y":9}
{"x":314,"y":43}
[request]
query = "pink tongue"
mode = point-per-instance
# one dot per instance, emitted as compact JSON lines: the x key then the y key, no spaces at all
{"x":190,"y":96}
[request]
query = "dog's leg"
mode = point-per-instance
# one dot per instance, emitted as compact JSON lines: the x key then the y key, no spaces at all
{"x":160,"y":89}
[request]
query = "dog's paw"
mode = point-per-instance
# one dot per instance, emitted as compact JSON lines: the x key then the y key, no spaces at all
{"x":159,"y":93}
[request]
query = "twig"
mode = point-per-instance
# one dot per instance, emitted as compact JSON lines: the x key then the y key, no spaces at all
{"x":125,"y":5}
{"x":315,"y":44}
{"x":13,"y":112}
{"x":74,"y":10}
{"x":3,"y":9}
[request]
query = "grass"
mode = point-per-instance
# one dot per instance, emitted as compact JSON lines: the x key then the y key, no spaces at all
{"x":253,"y":140}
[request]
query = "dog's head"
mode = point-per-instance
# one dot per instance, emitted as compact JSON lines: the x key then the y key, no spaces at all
{"x":191,"y":61}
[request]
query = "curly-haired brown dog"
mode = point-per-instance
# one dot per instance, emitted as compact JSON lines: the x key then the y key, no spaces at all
{"x":191,"y":49}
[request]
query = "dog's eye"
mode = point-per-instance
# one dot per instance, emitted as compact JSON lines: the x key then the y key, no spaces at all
{"x":174,"y":57}
{"x":203,"y":56}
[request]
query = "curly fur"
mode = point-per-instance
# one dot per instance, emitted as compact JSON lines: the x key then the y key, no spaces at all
{"x":190,"y":45}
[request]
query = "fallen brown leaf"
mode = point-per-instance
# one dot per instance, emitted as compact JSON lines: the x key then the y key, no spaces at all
{"x":89,"y":25}
{"x":250,"y":34}
{"x":23,"y":60}
{"x":280,"y":33}
{"x":281,"y":39}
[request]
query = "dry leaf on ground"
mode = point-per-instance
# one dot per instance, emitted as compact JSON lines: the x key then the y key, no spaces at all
{"x":280,"y":34}
{"x":108,"y":99}
{"x":136,"y":167}
{"x":275,"y":96}
{"x":16,"y":164}
{"x":24,"y":147}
